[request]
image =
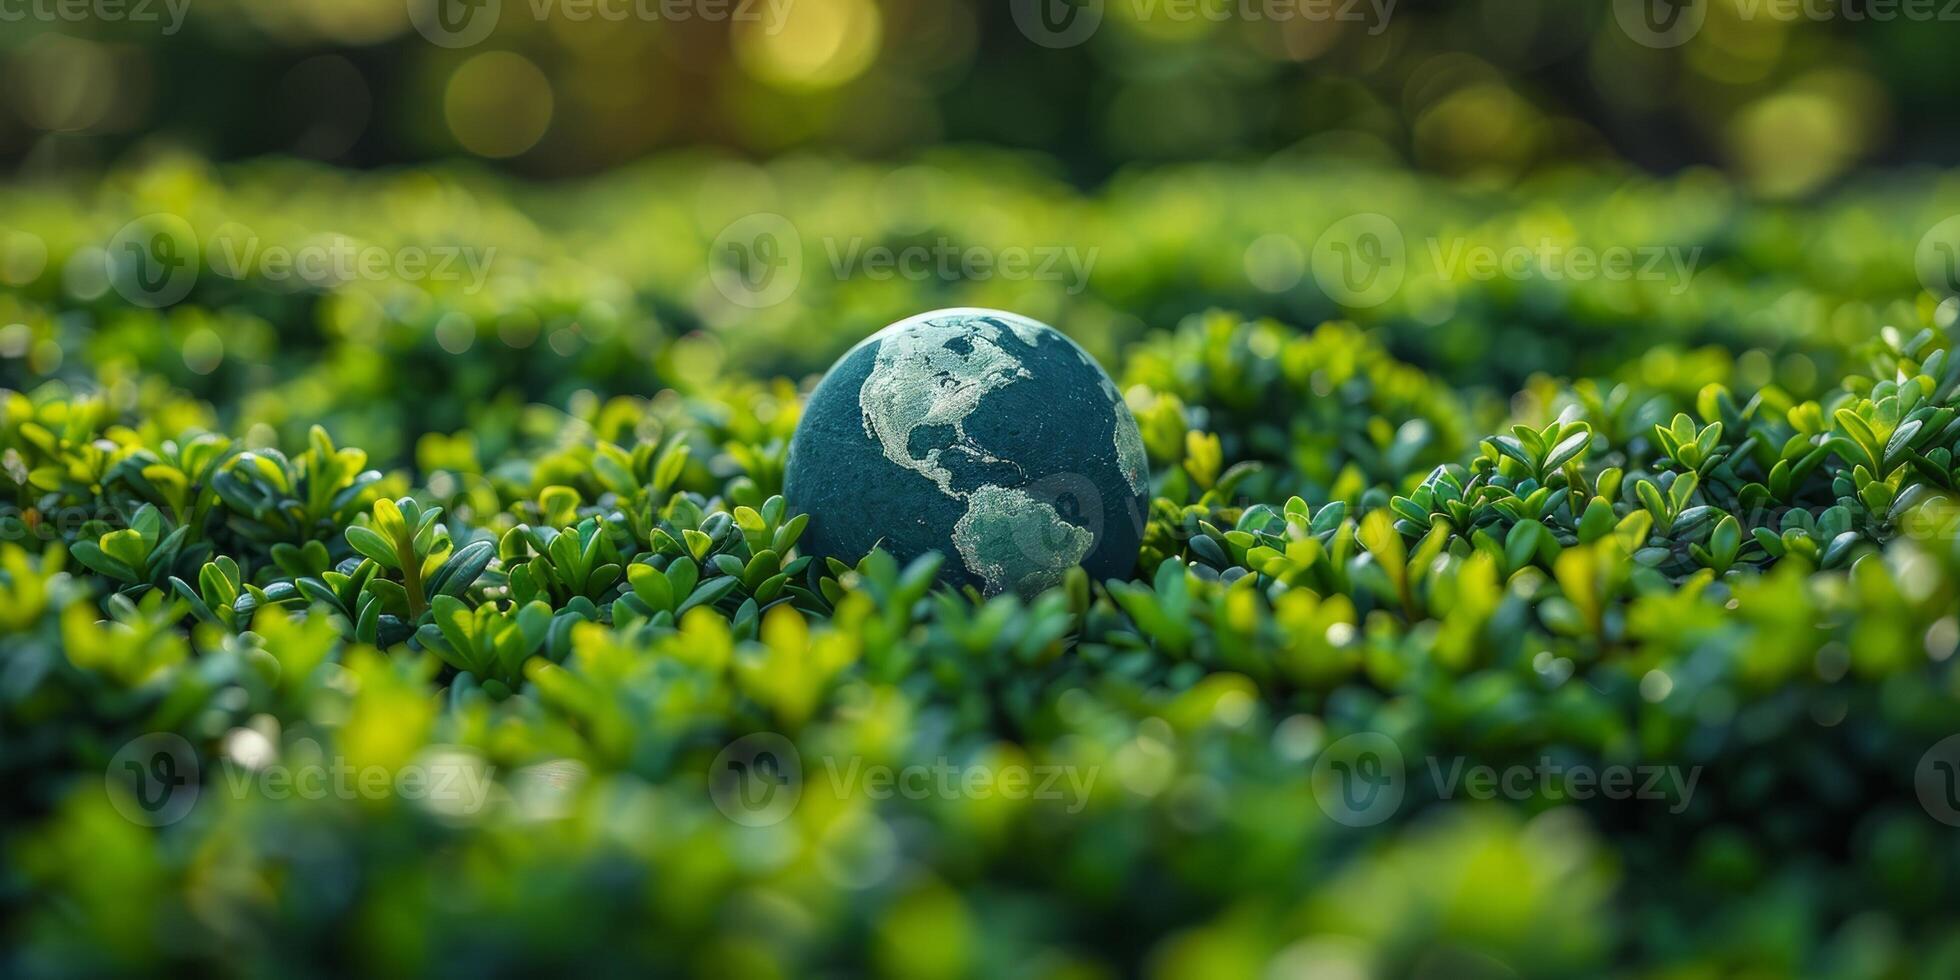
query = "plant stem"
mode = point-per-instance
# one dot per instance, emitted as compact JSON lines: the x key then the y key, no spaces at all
{"x":412,"y":579}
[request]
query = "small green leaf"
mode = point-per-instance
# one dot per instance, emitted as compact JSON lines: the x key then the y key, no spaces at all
{"x":372,"y":545}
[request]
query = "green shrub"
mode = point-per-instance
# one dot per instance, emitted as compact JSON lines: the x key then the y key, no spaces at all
{"x":1674,"y":562}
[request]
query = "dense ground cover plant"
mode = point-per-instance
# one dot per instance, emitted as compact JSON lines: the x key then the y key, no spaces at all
{"x":1696,"y":535}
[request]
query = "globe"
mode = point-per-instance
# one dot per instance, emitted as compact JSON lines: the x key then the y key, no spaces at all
{"x":985,"y":436}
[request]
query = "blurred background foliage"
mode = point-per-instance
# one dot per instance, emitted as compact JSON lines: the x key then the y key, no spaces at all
{"x":1701,"y":520}
{"x":609,"y":285}
{"x":1789,"y":97}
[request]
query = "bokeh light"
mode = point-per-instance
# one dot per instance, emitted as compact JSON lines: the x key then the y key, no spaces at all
{"x":817,"y":44}
{"x":498,"y":104}
{"x":62,"y":83}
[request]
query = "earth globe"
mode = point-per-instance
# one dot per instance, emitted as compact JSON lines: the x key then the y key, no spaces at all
{"x":983,"y":435}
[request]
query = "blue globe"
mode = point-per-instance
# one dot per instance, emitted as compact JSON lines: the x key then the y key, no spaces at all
{"x":985,"y":436}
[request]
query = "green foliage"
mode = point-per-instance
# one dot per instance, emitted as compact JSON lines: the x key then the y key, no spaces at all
{"x":1681,"y":559}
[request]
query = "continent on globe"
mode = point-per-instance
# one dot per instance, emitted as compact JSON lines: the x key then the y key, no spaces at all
{"x":985,"y":436}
